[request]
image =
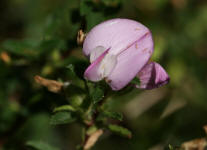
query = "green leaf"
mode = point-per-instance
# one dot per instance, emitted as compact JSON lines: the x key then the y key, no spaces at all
{"x":135,"y":81}
{"x":76,"y":100}
{"x":39,"y":145}
{"x":171,"y":147}
{"x":111,"y":3}
{"x":47,"y":45}
{"x":97,"y":94}
{"x":84,"y":7}
{"x":91,"y":130}
{"x":74,"y":71}
{"x":71,"y":68}
{"x":112,"y":115}
{"x":24,"y":47}
{"x":61,"y":118}
{"x":93,"y":17}
{"x":64,"y":108}
{"x":120,"y":130}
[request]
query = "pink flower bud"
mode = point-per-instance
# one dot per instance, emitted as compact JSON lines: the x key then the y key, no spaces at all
{"x":152,"y":76}
{"x":119,"y":50}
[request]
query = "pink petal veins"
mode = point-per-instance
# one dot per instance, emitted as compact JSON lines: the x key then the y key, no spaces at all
{"x":114,"y":33}
{"x":130,"y":62}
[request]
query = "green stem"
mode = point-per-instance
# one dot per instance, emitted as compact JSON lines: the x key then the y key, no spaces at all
{"x":86,"y":87}
{"x":91,"y":116}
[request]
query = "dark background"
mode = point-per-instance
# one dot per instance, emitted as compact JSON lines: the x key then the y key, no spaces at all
{"x":39,"y":37}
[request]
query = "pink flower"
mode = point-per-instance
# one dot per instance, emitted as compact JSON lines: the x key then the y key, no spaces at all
{"x":119,"y":50}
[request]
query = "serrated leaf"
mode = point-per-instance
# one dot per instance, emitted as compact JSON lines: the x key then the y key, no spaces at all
{"x":97,"y":94}
{"x":112,"y":115}
{"x":64,"y":108}
{"x":120,"y":130}
{"x":39,"y":145}
{"x":61,"y":118}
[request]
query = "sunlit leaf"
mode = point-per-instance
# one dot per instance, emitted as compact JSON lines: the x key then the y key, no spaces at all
{"x":64,"y":108}
{"x":171,"y":147}
{"x":120,"y":130}
{"x":91,"y":130}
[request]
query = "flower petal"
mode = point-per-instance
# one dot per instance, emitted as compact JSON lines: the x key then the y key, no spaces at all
{"x":130,"y":62}
{"x":91,"y":72}
{"x":107,"y":65}
{"x":152,"y":76}
{"x":115,"y":33}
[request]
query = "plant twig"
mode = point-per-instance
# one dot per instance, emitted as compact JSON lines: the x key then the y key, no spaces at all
{"x":92,"y":139}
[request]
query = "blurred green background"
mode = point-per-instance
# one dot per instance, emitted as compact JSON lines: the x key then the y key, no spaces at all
{"x":38,"y":37}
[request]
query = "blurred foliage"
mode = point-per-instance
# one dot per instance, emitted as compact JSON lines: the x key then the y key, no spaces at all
{"x":38,"y":37}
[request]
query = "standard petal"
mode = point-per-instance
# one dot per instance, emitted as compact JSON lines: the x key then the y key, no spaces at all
{"x":130,"y":62}
{"x":152,"y":76}
{"x":118,"y":34}
{"x":91,"y":72}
